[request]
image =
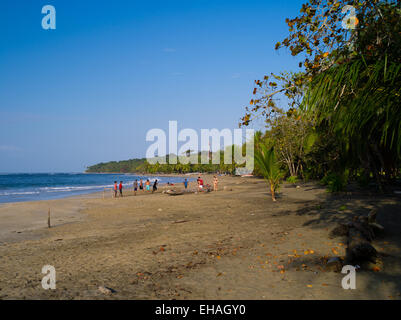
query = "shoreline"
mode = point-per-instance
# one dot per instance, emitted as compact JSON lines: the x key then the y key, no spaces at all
{"x":76,"y":193}
{"x":29,"y":218}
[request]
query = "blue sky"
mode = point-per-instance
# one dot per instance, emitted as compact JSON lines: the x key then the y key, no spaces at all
{"x":90,"y":90}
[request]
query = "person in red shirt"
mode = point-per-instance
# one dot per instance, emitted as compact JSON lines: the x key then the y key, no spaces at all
{"x":120,"y":187}
{"x":115,"y":189}
{"x":200,"y":183}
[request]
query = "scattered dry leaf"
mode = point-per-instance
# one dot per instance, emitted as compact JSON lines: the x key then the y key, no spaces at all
{"x":376,"y":269}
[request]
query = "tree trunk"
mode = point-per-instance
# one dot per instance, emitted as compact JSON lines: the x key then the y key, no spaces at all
{"x":360,"y":232}
{"x":272,"y":191}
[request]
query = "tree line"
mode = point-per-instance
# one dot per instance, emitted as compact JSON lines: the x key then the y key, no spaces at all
{"x":341,"y":120}
{"x":143,"y":166}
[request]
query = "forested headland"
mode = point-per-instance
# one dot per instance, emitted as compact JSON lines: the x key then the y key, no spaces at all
{"x":143,"y":166}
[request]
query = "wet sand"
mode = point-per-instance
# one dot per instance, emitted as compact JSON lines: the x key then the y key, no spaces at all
{"x":230,"y":244}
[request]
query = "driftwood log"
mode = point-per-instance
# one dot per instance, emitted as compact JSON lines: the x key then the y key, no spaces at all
{"x":174,"y":193}
{"x":360,"y":232}
{"x":359,"y":249}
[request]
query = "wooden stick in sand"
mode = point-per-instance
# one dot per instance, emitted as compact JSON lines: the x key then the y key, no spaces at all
{"x":48,"y":219}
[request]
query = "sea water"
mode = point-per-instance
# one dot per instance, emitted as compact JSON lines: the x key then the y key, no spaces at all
{"x":15,"y":187}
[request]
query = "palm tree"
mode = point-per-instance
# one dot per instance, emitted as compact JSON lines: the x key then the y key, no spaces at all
{"x":265,"y":159}
{"x":358,"y":97}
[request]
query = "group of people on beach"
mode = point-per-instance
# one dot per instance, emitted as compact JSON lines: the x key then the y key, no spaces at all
{"x":142,"y":186}
{"x":201,"y":185}
{"x":118,"y":188}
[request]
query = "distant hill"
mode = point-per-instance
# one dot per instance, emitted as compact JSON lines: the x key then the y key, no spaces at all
{"x":125,"y":166}
{"x":142,"y":166}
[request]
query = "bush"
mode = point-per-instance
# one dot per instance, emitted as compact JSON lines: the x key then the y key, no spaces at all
{"x":335,"y":182}
{"x":292,"y":179}
{"x":362,"y":179}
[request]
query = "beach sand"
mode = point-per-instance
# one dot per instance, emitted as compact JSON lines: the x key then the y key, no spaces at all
{"x":230,"y":244}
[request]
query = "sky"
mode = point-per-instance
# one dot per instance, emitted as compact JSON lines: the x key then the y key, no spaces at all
{"x":89,"y":91}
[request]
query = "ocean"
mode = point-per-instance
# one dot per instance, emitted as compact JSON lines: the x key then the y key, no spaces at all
{"x":16,"y":187}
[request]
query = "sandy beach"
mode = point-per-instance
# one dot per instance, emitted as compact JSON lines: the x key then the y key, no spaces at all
{"x":231,"y":244}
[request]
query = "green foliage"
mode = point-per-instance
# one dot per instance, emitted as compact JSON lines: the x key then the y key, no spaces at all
{"x":292,"y":179}
{"x":362,"y":178}
{"x":349,"y":91}
{"x":289,"y":134}
{"x":265,"y":160}
{"x":335,"y":182}
{"x":310,"y":140}
{"x":358,"y":100}
{"x":143,"y":166}
{"x":127,"y":166}
{"x":287,"y":84}
{"x":358,"y":96}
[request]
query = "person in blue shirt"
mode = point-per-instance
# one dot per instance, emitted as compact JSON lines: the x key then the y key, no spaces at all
{"x":186,"y":183}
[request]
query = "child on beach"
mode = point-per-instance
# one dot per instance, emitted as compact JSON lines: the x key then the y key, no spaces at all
{"x":120,"y":187}
{"x":215,"y":182}
{"x":147,"y":184}
{"x":135,"y":186}
{"x":154,"y":186}
{"x":140,"y":184}
{"x":186,"y":183}
{"x":115,"y":189}
{"x":200,"y":184}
